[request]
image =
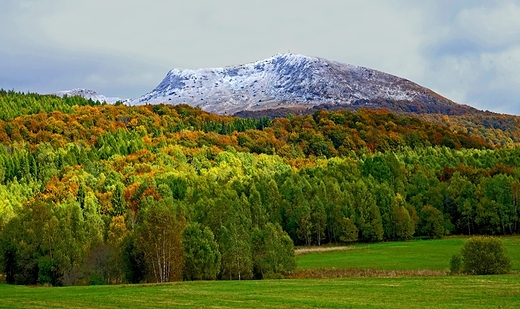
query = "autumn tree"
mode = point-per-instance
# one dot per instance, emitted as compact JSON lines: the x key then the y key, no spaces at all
{"x":117,"y":232}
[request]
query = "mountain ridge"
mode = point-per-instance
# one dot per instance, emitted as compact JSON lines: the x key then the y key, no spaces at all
{"x":290,"y":81}
{"x":88,"y":94}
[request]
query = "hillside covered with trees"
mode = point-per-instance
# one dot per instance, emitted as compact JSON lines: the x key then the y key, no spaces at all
{"x":93,"y":193}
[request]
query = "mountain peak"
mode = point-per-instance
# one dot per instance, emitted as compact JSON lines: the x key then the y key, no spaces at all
{"x":281,"y":81}
{"x":87,"y":94}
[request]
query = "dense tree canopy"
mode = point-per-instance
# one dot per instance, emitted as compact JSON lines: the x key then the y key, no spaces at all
{"x":95,"y":193}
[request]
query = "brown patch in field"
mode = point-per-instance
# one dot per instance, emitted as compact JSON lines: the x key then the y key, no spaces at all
{"x":306,"y":250}
{"x":322,"y":273}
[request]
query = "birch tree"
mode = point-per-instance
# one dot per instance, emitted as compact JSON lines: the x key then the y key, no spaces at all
{"x":159,"y":237}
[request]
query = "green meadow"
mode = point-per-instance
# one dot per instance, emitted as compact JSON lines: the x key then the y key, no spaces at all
{"x":500,"y":291}
{"x":399,"y":292}
{"x":407,"y":255}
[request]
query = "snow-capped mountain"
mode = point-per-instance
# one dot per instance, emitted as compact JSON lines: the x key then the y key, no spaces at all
{"x":284,"y":80}
{"x":88,"y":94}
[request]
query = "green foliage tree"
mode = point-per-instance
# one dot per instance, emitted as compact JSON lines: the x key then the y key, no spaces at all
{"x":349,"y":231}
{"x":23,"y":244}
{"x":133,"y":260}
{"x":235,"y":244}
{"x":431,"y":222}
{"x":118,"y":200}
{"x":258,"y":211}
{"x":304,"y":223}
{"x":201,"y":255}
{"x":10,"y":252}
{"x":367,"y":216}
{"x":46,"y":236}
{"x":273,"y":202}
{"x":403,"y":226}
{"x":93,"y":223}
{"x":273,"y":252}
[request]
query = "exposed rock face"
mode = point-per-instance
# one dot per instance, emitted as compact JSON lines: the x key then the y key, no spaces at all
{"x":287,"y":81}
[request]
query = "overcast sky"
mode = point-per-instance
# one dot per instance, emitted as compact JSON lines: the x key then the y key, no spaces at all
{"x":468,"y":50}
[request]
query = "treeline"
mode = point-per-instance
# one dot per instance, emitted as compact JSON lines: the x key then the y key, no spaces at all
{"x":112,"y":194}
{"x":496,"y":129}
{"x":14,"y":104}
{"x":326,"y":134}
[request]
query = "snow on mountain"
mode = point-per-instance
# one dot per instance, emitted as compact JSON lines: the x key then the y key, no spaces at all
{"x":283,"y":80}
{"x":88,"y":94}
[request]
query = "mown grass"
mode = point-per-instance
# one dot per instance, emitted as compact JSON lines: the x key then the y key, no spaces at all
{"x":406,"y":255}
{"x":400,"y":292}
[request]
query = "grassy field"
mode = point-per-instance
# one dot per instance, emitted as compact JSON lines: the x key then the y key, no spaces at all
{"x":372,"y":292}
{"x":409,"y":255}
{"x":401,"y":292}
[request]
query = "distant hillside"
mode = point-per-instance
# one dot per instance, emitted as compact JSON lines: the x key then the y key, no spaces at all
{"x":494,"y":129}
{"x":88,"y":94}
{"x":14,"y":104}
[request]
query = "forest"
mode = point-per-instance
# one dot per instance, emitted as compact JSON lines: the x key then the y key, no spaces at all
{"x":93,"y":193}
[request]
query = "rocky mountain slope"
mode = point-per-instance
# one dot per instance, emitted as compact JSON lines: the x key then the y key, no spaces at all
{"x":88,"y":94}
{"x":294,"y":82}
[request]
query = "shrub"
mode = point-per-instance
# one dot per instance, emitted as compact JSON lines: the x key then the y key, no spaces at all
{"x":485,"y":256}
{"x":96,"y":280}
{"x":271,"y":275}
{"x":456,"y":264}
{"x":48,"y":273}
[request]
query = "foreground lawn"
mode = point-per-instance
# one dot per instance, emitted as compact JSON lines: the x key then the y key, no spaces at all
{"x":401,"y":292}
{"x":374,"y":292}
{"x":408,"y":255}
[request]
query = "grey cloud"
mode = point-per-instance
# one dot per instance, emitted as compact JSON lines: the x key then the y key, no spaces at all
{"x":124,"y":48}
{"x":107,"y":74}
{"x":469,"y":48}
{"x":504,"y":101}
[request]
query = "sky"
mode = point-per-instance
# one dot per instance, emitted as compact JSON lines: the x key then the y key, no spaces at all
{"x":465,"y":50}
